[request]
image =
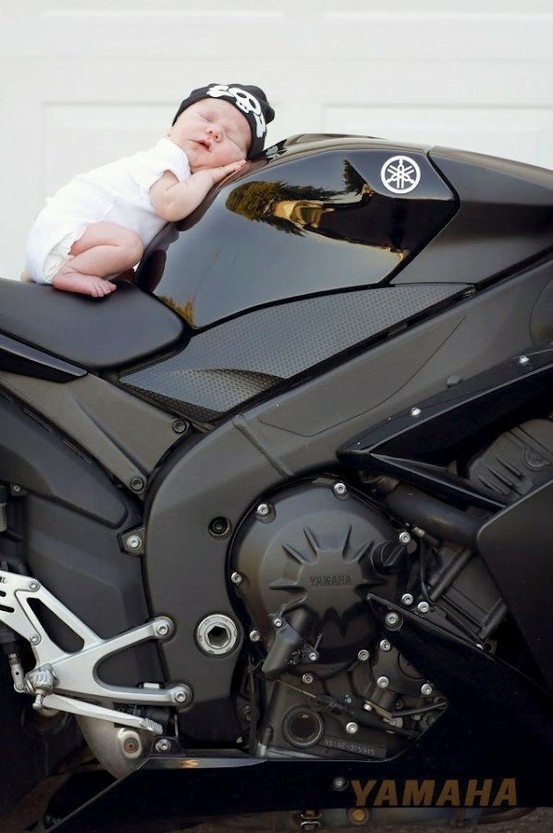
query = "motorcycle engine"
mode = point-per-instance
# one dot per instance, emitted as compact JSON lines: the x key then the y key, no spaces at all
{"x":328,"y":681}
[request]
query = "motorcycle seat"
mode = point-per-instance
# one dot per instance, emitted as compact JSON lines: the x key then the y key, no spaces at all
{"x":123,"y":328}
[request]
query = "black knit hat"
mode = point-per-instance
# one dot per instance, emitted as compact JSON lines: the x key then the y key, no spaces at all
{"x":251,"y":101}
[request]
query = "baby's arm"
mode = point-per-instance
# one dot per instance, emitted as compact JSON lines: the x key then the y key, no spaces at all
{"x":174,"y":200}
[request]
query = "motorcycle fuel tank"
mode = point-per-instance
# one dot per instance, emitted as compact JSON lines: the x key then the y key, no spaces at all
{"x":315,"y":214}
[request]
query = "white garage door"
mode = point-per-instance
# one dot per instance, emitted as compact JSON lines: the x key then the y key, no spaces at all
{"x":84,"y":81}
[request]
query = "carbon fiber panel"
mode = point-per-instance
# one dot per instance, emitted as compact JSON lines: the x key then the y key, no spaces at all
{"x":223,"y":367}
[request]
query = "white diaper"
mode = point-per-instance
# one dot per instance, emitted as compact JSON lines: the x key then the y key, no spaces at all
{"x":60,"y":254}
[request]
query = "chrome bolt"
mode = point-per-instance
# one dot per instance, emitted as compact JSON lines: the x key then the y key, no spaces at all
{"x":352,"y":728}
{"x":426,"y":689}
{"x":415,"y":412}
{"x":307,"y":679}
{"x":385,"y":645}
{"x":163,"y":745}
{"x":313,"y":656}
{"x":15,"y":489}
{"x":523,"y":360}
{"x":236,"y":578}
{"x":34,"y":585}
{"x":255,"y":636}
{"x":137,"y":484}
{"x":391,"y":619}
{"x":404,"y":537}
{"x":363,"y":655}
{"x":179,"y":426}
{"x":181,"y":695}
{"x":423,"y":607}
{"x":340,"y":489}
{"x":407,"y":599}
{"x":35,"y":639}
{"x":263,"y":510}
{"x":339,"y":783}
{"x":162,"y":628}
{"x":134,"y":542}
{"x":383,"y":682}
{"x":418,"y":531}
{"x":278,"y":623}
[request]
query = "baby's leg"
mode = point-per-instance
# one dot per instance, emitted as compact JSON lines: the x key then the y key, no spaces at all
{"x":104,"y":249}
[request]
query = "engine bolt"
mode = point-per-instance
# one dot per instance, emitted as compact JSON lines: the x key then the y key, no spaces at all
{"x":134,"y":542}
{"x":392,"y":619}
{"x":277,"y":622}
{"x":383,"y":682}
{"x":415,"y":412}
{"x":163,"y":745}
{"x":407,"y":599}
{"x":162,"y":628}
{"x":352,"y":728}
{"x":307,"y":679}
{"x":523,"y":360}
{"x":236,"y":578}
{"x":179,"y":426}
{"x":363,"y":655}
{"x":35,"y":639}
{"x":131,"y":745}
{"x":404,"y":537}
{"x":340,"y":489}
{"x":34,"y":585}
{"x":426,"y":689}
{"x":313,"y":656}
{"x":263,"y":510}
{"x":339,"y":783}
{"x":423,"y":607}
{"x":385,"y":645}
{"x":181,"y":694}
{"x":255,"y":636}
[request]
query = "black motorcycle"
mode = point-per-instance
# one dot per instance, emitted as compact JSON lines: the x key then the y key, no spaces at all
{"x":276,"y":529}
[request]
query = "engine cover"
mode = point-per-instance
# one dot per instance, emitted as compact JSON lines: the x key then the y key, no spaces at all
{"x":303,"y":566}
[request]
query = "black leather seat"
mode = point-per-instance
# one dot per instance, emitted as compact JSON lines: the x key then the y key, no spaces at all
{"x":120,"y":329}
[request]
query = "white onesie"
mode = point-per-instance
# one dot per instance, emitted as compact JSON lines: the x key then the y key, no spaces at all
{"x":116,"y":193}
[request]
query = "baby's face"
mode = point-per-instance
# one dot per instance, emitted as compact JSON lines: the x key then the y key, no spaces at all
{"x":212,"y":132}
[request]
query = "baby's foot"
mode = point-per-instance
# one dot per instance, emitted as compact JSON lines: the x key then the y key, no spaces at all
{"x":91,"y":285}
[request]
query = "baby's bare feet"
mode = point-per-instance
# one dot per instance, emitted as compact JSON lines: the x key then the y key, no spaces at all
{"x":69,"y":281}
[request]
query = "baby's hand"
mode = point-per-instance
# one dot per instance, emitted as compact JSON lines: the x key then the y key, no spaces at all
{"x":224,"y":170}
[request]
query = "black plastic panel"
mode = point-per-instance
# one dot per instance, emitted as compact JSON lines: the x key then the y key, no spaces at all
{"x":121,"y":328}
{"x":311,"y":217}
{"x":223,"y":367}
{"x":16,"y":357}
{"x":505,"y":219}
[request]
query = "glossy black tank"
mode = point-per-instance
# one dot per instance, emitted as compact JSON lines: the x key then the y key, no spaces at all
{"x":319,"y":214}
{"x":315,"y":214}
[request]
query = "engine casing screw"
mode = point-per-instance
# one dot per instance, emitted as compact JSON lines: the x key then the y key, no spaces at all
{"x":407,"y":599}
{"x":352,"y":728}
{"x":339,"y":783}
{"x":404,"y":537}
{"x":236,"y":578}
{"x":134,"y":542}
{"x":423,"y":607}
{"x":263,"y":510}
{"x":426,"y":689}
{"x":34,"y":585}
{"x":163,"y":745}
{"x":340,"y":489}
{"x":307,"y":679}
{"x":385,"y":645}
{"x":313,"y":656}
{"x":137,"y":484}
{"x":277,"y":622}
{"x":255,"y":636}
{"x":415,"y":412}
{"x":383,"y":682}
{"x":392,"y":619}
{"x":363,"y":655}
{"x":523,"y":360}
{"x":35,"y":639}
{"x":181,"y":695}
{"x":179,"y":426}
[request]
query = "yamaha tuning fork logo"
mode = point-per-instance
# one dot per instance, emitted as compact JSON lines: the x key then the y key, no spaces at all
{"x":400,"y":174}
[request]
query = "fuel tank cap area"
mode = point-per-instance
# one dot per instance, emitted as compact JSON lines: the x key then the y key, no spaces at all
{"x":314,"y":214}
